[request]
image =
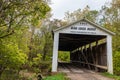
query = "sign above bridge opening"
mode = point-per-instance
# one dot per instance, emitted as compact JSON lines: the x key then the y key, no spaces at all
{"x":84,"y":26}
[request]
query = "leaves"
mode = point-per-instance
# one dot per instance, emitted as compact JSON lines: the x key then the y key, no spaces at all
{"x":116,"y":62}
{"x":11,"y":56}
{"x":20,"y":13}
{"x":16,"y":19}
{"x":79,"y":14}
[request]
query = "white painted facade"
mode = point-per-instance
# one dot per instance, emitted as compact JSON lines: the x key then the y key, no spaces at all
{"x":109,"y":54}
{"x":55,"y":52}
{"x":83,"y":27}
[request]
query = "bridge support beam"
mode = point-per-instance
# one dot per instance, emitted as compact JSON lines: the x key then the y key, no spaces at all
{"x":109,"y":54}
{"x":55,"y":53}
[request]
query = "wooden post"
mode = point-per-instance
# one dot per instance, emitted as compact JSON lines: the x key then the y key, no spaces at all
{"x":100,"y":54}
{"x":109,"y":54}
{"x":81,"y":56}
{"x":92,"y":54}
{"x":55,"y":52}
{"x":85,"y":59}
{"x":70,"y":56}
{"x":96,"y":56}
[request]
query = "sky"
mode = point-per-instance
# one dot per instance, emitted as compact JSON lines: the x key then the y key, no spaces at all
{"x":59,"y":7}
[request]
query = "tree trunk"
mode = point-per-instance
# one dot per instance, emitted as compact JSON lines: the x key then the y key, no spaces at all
{"x":31,"y":43}
{"x":1,"y":70}
{"x":44,"y":53}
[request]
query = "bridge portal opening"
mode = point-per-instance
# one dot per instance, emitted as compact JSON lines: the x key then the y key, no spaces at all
{"x":83,"y":51}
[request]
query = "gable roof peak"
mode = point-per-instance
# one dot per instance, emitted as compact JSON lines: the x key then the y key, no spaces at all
{"x":88,"y":21}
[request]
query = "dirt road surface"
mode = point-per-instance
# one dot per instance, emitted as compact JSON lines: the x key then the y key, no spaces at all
{"x":86,"y":75}
{"x":75,"y":73}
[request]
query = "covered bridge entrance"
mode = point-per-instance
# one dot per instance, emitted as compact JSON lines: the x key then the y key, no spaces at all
{"x":90,"y":45}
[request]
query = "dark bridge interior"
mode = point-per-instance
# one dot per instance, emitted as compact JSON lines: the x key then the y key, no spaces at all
{"x":88,"y":51}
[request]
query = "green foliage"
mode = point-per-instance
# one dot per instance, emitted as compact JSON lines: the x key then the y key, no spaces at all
{"x":20,"y":45}
{"x":45,"y":67}
{"x":111,"y":76}
{"x":46,"y":43}
{"x":40,"y":66}
{"x":56,"y":77}
{"x":79,"y":14}
{"x":64,"y":56}
{"x":11,"y":56}
{"x":36,"y":63}
{"x":36,"y":60}
{"x":116,"y":61}
{"x":20,"y":13}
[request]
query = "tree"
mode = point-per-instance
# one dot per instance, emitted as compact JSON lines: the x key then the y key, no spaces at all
{"x":46,"y":42}
{"x":18,"y":13}
{"x":111,"y":21}
{"x":79,"y":14}
{"x":16,"y":19}
{"x":10,"y":56}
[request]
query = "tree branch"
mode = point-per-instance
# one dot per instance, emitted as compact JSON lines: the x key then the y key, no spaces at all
{"x":6,"y":35}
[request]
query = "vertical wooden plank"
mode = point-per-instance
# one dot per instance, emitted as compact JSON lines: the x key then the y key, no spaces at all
{"x":101,"y":55}
{"x":85,"y":59}
{"x":79,"y":57}
{"x":96,"y":56}
{"x":71,"y":56}
{"x":92,"y":54}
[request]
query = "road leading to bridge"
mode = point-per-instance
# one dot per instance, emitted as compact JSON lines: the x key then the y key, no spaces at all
{"x":75,"y":73}
{"x":86,"y":76}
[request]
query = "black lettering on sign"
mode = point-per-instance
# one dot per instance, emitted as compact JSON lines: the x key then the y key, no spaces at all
{"x":83,"y":23}
{"x":75,"y":28}
{"x":81,"y":28}
{"x":91,"y":29}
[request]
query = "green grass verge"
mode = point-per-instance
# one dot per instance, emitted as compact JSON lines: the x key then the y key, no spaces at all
{"x":111,"y":76}
{"x":59,"y":76}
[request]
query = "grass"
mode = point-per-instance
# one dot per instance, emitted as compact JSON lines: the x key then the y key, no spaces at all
{"x":111,"y":76}
{"x":59,"y":76}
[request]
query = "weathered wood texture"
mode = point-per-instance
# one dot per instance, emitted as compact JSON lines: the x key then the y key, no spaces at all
{"x":93,"y":57}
